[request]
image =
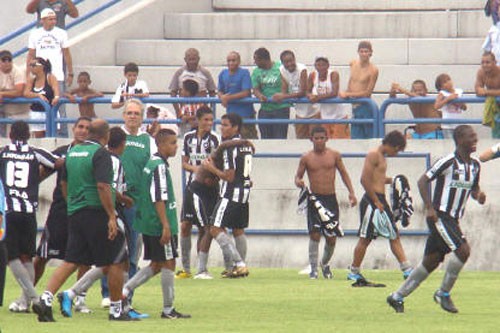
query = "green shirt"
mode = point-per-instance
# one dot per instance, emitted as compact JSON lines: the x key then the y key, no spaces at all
{"x":138,"y":150}
{"x":269,"y":83}
{"x":86,"y":165}
{"x":156,"y":185}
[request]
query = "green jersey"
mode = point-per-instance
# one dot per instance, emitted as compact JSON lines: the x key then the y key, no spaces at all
{"x":269,"y":83}
{"x":156,"y":185}
{"x":138,"y":150}
{"x":86,"y":165}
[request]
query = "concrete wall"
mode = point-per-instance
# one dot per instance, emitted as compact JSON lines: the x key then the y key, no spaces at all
{"x":274,"y":196}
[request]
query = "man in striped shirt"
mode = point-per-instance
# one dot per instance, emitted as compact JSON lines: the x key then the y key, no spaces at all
{"x":457,"y":178}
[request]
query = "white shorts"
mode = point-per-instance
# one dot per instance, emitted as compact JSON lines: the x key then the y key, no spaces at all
{"x":34,"y":115}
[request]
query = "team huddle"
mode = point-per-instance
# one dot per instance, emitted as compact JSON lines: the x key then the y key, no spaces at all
{"x":114,"y":188}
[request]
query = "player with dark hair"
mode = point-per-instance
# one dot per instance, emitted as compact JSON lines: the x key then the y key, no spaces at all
{"x":457,"y":178}
{"x":375,"y":214}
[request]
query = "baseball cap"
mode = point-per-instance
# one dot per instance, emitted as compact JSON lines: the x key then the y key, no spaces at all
{"x":5,"y":54}
{"x":47,"y":12}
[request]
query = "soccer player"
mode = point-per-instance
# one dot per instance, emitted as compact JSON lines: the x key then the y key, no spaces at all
{"x":233,"y":167}
{"x":373,"y":204}
{"x":94,"y":234}
{"x":321,"y":164}
{"x":19,"y":172}
{"x":156,"y":220}
{"x":199,"y":143}
{"x":457,"y":178}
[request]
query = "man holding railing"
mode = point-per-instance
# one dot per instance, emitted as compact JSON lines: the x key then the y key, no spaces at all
{"x":488,"y":85}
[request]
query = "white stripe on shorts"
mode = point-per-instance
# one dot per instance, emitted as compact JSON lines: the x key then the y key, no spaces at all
{"x":444,"y":235}
{"x":363,"y":231}
{"x":197,"y":209}
{"x":219,"y":214}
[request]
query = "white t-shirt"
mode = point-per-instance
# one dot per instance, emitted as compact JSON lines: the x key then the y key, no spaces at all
{"x":492,"y":41}
{"x":49,"y":45}
{"x":293,"y":81}
{"x":451,"y":110}
{"x":202,"y":76}
{"x":140,"y":87}
{"x":328,"y":110}
{"x":8,"y":81}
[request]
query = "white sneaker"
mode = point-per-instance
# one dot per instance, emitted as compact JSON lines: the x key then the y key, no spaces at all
{"x":306,"y":270}
{"x":19,"y":306}
{"x":80,"y":305}
{"x":106,"y":302}
{"x":203,"y":276}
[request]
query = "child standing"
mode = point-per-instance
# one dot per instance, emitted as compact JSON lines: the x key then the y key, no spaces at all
{"x":85,"y":92}
{"x":187,"y":112}
{"x":131,"y":88}
{"x":449,"y":110}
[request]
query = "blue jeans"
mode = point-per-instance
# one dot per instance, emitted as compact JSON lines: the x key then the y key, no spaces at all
{"x":362,"y":131}
{"x":274,"y":131}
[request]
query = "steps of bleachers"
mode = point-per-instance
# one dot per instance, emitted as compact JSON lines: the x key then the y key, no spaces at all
{"x":321,"y":25}
{"x":107,"y":78}
{"x":340,"y":51}
{"x":345,"y":5}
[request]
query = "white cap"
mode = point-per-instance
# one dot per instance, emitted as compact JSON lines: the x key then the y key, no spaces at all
{"x":47,"y":12}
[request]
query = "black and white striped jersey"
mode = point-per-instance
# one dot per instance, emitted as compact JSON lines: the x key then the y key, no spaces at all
{"x":118,"y":174}
{"x":19,"y":169}
{"x":197,"y":149}
{"x":238,"y":158}
{"x":455,"y":179}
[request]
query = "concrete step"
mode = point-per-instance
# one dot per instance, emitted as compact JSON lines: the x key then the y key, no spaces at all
{"x":340,"y":51}
{"x":334,"y":5}
{"x":107,"y":78}
{"x":300,"y":25}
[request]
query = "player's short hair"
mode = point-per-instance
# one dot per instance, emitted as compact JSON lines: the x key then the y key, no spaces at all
{"x":117,"y":137}
{"x":234,"y":120}
{"x":262,"y":53}
{"x":191,"y":86}
{"x":460,"y":131}
{"x":163,"y":134}
{"x":395,"y":139}
{"x":203,"y":110}
{"x":131,"y":67}
{"x":20,"y":131}
{"x":440,"y":79}
{"x":286,"y":53}
{"x":364,"y":44}
{"x":318,"y":129}
{"x":82,"y":118}
{"x":98,"y":129}
{"x":86,"y":74}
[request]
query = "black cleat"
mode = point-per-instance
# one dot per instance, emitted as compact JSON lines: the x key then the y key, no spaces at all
{"x":43,"y":311}
{"x":175,"y":315}
{"x":122,"y":317}
{"x":397,"y":305}
{"x":445,"y":301}
{"x":327,"y":273}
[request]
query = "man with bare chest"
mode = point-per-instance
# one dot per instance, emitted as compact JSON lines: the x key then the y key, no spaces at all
{"x":363,"y":78}
{"x":488,"y":84}
{"x":373,"y":207}
{"x":321,"y":163}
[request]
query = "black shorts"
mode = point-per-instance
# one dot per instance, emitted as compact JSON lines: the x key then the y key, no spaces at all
{"x":230,"y":214}
{"x":21,"y":234}
{"x":54,"y":238}
{"x":199,"y":203}
{"x":366,"y":213}
{"x":445,"y":237}
{"x":156,"y":252}
{"x":88,"y":242}
{"x":314,"y":223}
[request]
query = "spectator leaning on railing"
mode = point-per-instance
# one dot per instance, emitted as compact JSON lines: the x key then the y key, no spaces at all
{"x":488,"y":85}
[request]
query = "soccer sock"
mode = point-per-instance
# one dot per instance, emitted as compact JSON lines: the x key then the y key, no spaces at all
{"x":23,"y":278}
{"x":241,"y":245}
{"x":354,"y":270}
{"x":87,"y":280}
{"x":228,"y":263}
{"x":416,"y":277}
{"x":227,"y":246}
{"x":115,"y":308}
{"x":313,"y":254}
{"x":186,"y":253}
{"x":405,"y":265}
{"x":453,"y":268}
{"x":167,"y":288}
{"x":31,"y":271}
{"x":202,"y":261}
{"x":139,"y":278}
{"x":327,"y":254}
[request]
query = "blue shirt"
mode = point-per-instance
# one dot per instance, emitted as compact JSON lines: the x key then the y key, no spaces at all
{"x":235,"y":83}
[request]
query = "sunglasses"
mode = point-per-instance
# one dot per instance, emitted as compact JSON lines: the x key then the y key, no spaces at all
{"x":35,"y":64}
{"x":6,"y":59}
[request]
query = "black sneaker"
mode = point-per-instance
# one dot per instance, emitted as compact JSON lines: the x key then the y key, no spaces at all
{"x":43,"y":311}
{"x":174,"y":315}
{"x":327,"y":273}
{"x":397,"y":305}
{"x":445,"y":301}
{"x":122,"y":317}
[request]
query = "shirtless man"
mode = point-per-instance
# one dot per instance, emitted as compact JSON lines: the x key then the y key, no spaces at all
{"x":373,"y":180}
{"x":363,"y":78}
{"x":321,"y":164}
{"x":419,"y":89}
{"x":488,"y":82}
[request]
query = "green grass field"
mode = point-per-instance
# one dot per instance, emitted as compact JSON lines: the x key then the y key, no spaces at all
{"x":275,"y":300}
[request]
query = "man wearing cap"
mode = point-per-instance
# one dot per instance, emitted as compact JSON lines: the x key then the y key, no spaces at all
{"x":60,"y":7}
{"x":51,"y":43}
{"x":12,"y":82}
